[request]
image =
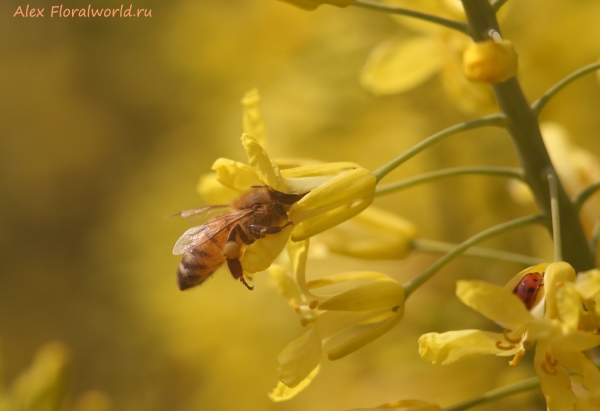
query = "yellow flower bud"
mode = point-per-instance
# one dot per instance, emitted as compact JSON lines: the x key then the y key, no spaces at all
{"x":374,"y":234}
{"x":490,"y":61}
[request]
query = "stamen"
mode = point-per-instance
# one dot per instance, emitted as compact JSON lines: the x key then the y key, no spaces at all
{"x":504,"y":347}
{"x":510,"y":340}
{"x":313,"y":304}
{"x":295,"y":306}
{"x":517,"y":358}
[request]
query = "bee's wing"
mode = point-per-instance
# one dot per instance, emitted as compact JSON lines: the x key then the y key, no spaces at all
{"x":201,"y":214}
{"x":197,"y":236}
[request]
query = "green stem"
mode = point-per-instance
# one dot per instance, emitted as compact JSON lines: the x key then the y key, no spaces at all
{"x":496,"y":4}
{"x":539,"y":104}
{"x":433,"y":246}
{"x":594,"y":237}
{"x":509,"y":172}
{"x":373,"y":5}
{"x":497,"y":394}
{"x":585,"y":195}
{"x":533,"y":156}
{"x":418,"y":281}
{"x":555,"y":210}
{"x":496,"y":120}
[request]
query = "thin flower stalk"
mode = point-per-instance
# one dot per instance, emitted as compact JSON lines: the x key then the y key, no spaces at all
{"x":377,"y":6}
{"x":497,"y":120}
{"x":508,"y":172}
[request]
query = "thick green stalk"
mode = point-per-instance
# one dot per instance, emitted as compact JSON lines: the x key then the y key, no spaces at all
{"x":525,"y":132}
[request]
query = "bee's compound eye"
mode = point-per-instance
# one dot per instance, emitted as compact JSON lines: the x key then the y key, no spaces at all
{"x":231,"y":250}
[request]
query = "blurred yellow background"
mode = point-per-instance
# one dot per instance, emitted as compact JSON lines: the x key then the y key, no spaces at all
{"x":106,"y":125}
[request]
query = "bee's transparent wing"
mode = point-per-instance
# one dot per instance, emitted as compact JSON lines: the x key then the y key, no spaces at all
{"x":196,"y":236}
{"x":202,"y":214}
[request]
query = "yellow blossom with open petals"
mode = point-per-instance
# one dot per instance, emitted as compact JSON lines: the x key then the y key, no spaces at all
{"x":560,"y":341}
{"x":373,"y":307}
{"x":336,"y":191}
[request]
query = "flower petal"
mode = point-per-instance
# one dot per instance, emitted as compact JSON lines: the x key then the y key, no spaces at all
{"x":320,"y":223}
{"x":554,"y":380}
{"x":363,"y":339}
{"x":556,"y":275}
{"x":283,"y":393}
{"x":285,"y":285}
{"x":588,"y":284}
{"x":560,"y":336}
{"x":261,"y":254}
{"x":266,"y":170}
{"x":452,"y":346}
{"x":213,"y":192}
{"x":338,"y":278}
{"x":375,"y":295}
{"x":342,"y":189}
{"x":398,"y":66}
{"x":580,"y":364}
{"x":252,"y":119}
{"x":374,"y":234}
{"x":570,"y":306}
{"x":494,"y":302}
{"x":299,"y":358}
{"x":331,"y":323}
{"x":237,"y":176}
{"x":319,"y":169}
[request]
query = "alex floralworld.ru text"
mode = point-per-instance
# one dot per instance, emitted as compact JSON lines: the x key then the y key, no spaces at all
{"x":89,"y":11}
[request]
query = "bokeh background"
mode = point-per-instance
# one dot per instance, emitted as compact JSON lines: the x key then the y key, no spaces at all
{"x":106,"y":125}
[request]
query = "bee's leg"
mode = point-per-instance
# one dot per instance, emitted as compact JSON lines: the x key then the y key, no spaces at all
{"x":231,"y":250}
{"x":260,"y":231}
{"x":235,"y":267}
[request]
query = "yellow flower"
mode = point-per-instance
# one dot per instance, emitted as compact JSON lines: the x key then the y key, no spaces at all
{"x":560,"y":342}
{"x":374,"y":234}
{"x":490,"y":61}
{"x":313,"y":4}
{"x":371,"y":308}
{"x":400,"y":65}
{"x":336,"y":191}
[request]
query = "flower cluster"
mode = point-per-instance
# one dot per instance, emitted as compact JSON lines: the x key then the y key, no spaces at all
{"x":562,"y":328}
{"x":343,"y":320}
{"x":353,"y":309}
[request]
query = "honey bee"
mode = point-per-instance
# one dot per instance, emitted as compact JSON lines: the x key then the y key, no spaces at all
{"x":252,"y":216}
